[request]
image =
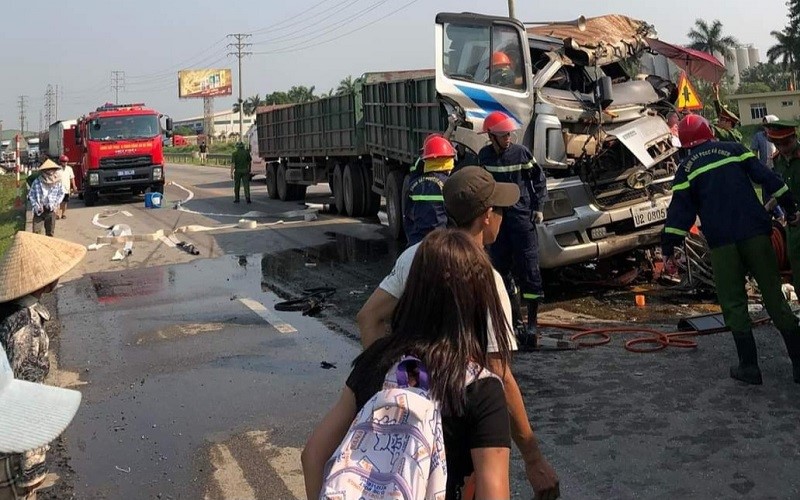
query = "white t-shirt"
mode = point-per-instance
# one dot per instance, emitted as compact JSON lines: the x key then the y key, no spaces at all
{"x":395,"y":283}
{"x":67,"y":174}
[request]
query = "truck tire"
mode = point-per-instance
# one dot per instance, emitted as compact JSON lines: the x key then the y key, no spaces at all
{"x":353,"y":184}
{"x":394,"y":203}
{"x":90,"y":197}
{"x":283,"y":189}
{"x":338,"y":189}
{"x":272,"y":181}
{"x":158,"y":187}
{"x":372,"y":202}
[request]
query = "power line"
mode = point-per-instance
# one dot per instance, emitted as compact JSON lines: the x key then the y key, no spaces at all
{"x":275,"y":25}
{"x":299,"y":46}
{"x":240,"y":45}
{"x":117,"y":84}
{"x":309,"y":21}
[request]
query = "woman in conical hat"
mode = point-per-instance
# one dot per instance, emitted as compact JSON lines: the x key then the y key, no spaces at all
{"x":30,"y":268}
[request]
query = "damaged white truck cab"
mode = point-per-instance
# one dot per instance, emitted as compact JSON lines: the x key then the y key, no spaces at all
{"x":606,"y":150}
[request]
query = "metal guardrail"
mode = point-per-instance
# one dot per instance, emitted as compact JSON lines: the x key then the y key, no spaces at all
{"x":219,"y":159}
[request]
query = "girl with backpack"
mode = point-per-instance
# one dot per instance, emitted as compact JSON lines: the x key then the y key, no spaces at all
{"x":438,"y":345}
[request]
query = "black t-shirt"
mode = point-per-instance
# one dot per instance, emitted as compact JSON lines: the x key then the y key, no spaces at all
{"x":484,"y":424}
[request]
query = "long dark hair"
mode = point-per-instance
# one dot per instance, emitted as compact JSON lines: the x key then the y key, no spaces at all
{"x":443,"y":316}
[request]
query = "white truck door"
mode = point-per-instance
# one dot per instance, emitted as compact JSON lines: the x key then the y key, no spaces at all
{"x":483,"y":65}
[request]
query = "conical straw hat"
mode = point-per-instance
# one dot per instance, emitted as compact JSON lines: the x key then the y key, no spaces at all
{"x":34,"y":261}
{"x":49,"y":165}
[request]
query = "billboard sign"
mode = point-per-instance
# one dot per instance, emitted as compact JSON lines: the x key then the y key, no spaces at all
{"x":204,"y":83}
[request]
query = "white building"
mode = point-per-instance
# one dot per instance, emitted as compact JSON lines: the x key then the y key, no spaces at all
{"x":225,"y":122}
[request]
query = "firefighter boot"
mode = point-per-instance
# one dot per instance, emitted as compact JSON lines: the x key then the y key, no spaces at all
{"x":527,"y":338}
{"x":747,"y":370}
{"x":792,"y":341}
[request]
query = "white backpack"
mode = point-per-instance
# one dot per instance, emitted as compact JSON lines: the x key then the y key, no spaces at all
{"x":394,"y":448}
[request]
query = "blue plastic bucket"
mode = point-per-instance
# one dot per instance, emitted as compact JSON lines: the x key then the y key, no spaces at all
{"x":152,"y":200}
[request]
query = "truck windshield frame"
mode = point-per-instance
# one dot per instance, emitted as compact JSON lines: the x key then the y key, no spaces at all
{"x":124,"y":127}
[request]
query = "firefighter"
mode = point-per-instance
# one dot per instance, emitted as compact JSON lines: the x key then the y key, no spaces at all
{"x":423,"y":210}
{"x":727,"y":121}
{"x":715,"y":181}
{"x":516,"y":250}
{"x":786,"y":163}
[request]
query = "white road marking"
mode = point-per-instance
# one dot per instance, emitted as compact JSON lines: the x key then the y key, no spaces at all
{"x":267,"y":315}
{"x":126,"y":213}
{"x":188,"y":198}
{"x":166,"y":241}
{"x":285,"y":461}
{"x":228,"y":475}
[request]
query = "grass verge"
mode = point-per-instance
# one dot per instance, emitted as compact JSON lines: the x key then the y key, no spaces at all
{"x":11,"y":219}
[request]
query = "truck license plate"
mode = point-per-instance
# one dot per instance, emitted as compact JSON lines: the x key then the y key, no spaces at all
{"x":123,"y":173}
{"x":648,"y":214}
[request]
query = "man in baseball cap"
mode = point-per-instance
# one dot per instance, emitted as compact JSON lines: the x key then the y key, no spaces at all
{"x":475,"y":203}
{"x":31,"y":415}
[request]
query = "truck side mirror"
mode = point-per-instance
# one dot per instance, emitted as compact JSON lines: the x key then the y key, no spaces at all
{"x":604,"y":93}
{"x":77,"y":136}
{"x":169,"y":123}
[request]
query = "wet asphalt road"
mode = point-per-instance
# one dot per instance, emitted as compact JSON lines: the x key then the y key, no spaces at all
{"x":194,"y":387}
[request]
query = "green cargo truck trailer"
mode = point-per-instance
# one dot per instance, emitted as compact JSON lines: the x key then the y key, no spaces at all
{"x":361,"y":143}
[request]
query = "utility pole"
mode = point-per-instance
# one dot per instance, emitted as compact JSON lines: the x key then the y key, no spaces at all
{"x":117,"y":83}
{"x":239,"y":46}
{"x":56,"y":96}
{"x":22,"y":105}
{"x":511,"y":9}
{"x":49,"y":104}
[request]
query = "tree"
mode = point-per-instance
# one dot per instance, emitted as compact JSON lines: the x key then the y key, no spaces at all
{"x":709,"y":38}
{"x":184,"y":130}
{"x":770,"y":74}
{"x":329,"y":93}
{"x":753,"y":88}
{"x":249,"y":105}
{"x":348,"y":85}
{"x":301,"y":93}
{"x":785,"y":50}
{"x":277,"y":98}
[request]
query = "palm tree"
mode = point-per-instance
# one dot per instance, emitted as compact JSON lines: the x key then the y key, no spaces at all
{"x":709,"y":38}
{"x":301,"y":93}
{"x":785,"y":51}
{"x":346,"y":86}
{"x":329,"y":93}
{"x":251,"y":104}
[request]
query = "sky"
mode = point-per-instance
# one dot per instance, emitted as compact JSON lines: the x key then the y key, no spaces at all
{"x":298,"y":42}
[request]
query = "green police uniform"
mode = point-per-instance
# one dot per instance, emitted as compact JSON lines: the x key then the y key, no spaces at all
{"x":722,"y":134}
{"x":241,"y":173}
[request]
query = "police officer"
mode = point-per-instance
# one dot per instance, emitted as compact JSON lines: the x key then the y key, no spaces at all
{"x":240,"y":172}
{"x":725,"y":128}
{"x":715,"y":181}
{"x":786,"y":163}
{"x":423,"y":210}
{"x":517,"y":246}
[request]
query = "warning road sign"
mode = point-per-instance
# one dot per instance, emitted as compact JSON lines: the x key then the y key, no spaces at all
{"x":687,"y":95}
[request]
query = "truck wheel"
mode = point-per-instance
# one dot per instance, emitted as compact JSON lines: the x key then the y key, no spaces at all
{"x":353,"y":185}
{"x":272,"y":181}
{"x":394,"y":204}
{"x":282,"y":188}
{"x":338,"y":189}
{"x":372,"y":201}
{"x":89,"y":197}
{"x":157,"y":188}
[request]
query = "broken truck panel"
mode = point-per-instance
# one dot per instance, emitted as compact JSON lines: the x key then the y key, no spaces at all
{"x":606,"y":39}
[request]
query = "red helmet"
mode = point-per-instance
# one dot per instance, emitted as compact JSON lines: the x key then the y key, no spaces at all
{"x":498,"y":122}
{"x":500,"y":59}
{"x":694,"y":130}
{"x":437,"y":146}
{"x":63,"y":159}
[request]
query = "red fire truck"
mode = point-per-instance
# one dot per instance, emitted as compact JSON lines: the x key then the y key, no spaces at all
{"x":121,"y":150}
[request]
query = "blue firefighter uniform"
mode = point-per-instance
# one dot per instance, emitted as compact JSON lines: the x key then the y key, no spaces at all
{"x":423,"y":207}
{"x":517,"y":246}
{"x":715,"y":181}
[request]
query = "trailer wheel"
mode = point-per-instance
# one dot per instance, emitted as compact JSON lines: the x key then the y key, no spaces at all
{"x":353,"y":184}
{"x":282,"y":187}
{"x":394,"y":203}
{"x":338,"y":189}
{"x":372,"y":202}
{"x":272,"y":181}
